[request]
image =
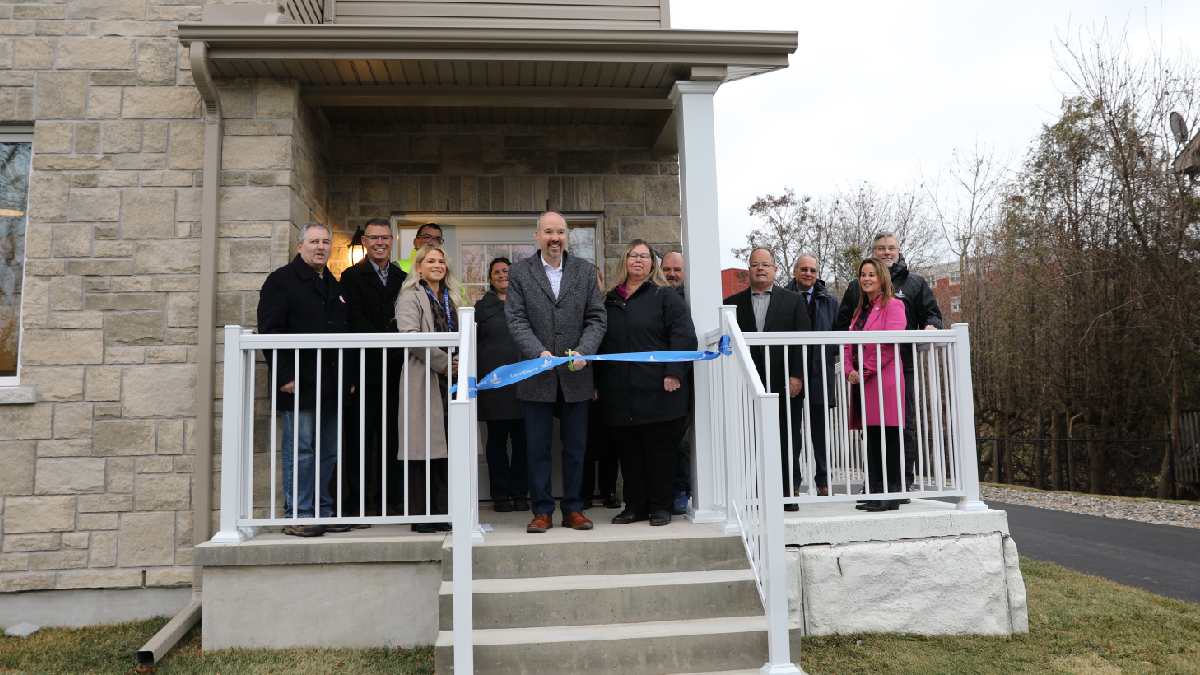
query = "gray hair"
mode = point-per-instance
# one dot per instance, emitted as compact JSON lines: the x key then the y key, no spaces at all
{"x":805,"y":254}
{"x":761,"y":248}
{"x":311,"y":224}
{"x":883,"y":235}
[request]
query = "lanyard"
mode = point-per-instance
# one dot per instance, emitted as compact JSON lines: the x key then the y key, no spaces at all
{"x":445,"y":306}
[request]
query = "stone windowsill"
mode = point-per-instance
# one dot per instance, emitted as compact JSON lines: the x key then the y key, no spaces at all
{"x":18,"y":395}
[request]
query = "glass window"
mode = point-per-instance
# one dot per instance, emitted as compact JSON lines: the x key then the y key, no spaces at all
{"x":956,"y":304}
{"x":14,"y":202}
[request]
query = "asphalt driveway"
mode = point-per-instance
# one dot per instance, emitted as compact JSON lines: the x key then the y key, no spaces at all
{"x":1162,"y":559}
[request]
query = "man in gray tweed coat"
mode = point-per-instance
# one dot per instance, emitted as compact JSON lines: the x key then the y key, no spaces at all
{"x":554,"y":308}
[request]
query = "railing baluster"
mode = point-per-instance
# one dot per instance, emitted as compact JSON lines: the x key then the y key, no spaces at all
{"x":362,"y":432}
{"x":274,"y":394}
{"x":317,"y":444}
{"x":296,"y":438}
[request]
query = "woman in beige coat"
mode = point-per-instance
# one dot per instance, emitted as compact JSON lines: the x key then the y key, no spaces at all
{"x":428,"y":303}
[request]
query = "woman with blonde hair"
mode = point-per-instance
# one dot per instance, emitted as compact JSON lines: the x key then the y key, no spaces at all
{"x":428,"y":303}
{"x":877,"y":310}
{"x":645,"y":404}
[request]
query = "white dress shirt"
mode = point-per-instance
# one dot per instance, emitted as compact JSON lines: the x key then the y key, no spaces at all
{"x":554,"y":274}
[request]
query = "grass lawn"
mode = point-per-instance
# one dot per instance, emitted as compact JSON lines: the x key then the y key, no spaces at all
{"x":1025,"y":488}
{"x":1079,"y":625}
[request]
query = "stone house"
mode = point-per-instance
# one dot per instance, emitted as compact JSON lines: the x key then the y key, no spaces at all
{"x":171,"y":149}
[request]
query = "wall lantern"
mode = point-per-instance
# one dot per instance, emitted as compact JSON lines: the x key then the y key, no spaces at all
{"x":356,"y":247}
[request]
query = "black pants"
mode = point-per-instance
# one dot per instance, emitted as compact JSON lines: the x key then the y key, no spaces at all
{"x":910,"y":426}
{"x":599,"y":451}
{"x":683,"y":478}
{"x":507,"y":478}
{"x":790,"y":455}
{"x":875,"y":459}
{"x":816,"y":416}
{"x":374,"y":454}
{"x":437,"y":486}
{"x":649,"y":459}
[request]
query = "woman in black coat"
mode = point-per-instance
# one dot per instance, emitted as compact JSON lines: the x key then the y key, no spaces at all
{"x":645,"y":404}
{"x":500,"y":407}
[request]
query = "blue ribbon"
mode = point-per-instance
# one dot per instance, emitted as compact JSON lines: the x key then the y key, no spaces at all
{"x":523,"y":370}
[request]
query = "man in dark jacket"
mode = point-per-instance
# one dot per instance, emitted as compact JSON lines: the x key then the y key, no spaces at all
{"x":554,"y":308}
{"x":371,"y":286}
{"x":767,"y":308}
{"x":822,"y":310}
{"x":304,"y":297}
{"x":921,"y":310}
{"x":672,"y":269}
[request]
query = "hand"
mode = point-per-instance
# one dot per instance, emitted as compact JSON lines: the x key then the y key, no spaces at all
{"x":595,"y":394}
{"x":289,"y":388}
{"x":453,"y":369}
{"x":578,"y":364}
{"x":794,"y":385}
{"x":931,"y":328}
{"x":853,"y":377}
{"x":545,"y":355}
{"x":671,"y":383}
{"x":352,"y":389}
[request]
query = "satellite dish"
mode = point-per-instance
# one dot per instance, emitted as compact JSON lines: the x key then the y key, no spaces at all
{"x":1179,"y":128}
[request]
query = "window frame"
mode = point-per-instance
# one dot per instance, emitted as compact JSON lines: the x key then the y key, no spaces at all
{"x":22,"y":133}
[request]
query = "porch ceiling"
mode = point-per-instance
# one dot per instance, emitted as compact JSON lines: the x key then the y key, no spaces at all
{"x":464,"y":68}
{"x":376,"y":114}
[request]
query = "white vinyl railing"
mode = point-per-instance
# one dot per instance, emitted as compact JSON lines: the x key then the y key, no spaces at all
{"x":745,"y":438}
{"x":747,"y":466}
{"x":252,"y":490}
{"x":944,"y":430}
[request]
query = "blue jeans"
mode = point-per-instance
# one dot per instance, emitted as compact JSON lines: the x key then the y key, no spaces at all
{"x":539,"y":433}
{"x":307,"y":438}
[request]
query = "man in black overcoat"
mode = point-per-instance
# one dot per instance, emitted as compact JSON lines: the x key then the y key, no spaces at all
{"x":371,"y":286}
{"x":304,"y":297}
{"x":767,"y":308}
{"x":921,"y":312}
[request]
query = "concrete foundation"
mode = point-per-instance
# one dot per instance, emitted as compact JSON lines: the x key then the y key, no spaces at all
{"x":91,"y":606}
{"x":926,"y":569}
{"x":365,"y":588}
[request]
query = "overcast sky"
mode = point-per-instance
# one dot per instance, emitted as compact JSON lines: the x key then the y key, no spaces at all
{"x":879,"y":91}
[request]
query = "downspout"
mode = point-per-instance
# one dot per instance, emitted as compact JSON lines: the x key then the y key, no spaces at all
{"x":210,"y":219}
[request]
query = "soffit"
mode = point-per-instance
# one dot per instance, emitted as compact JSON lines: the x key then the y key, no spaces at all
{"x":328,"y":54}
{"x":489,"y":115}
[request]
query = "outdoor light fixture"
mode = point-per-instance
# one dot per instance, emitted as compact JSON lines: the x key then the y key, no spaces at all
{"x":356,"y":247}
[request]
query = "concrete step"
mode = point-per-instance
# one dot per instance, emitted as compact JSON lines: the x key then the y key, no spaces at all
{"x":529,"y":557}
{"x":606,"y":599}
{"x":649,"y":648}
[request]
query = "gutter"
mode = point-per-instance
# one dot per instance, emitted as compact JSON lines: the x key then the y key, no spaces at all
{"x":210,"y":220}
{"x":324,"y":41}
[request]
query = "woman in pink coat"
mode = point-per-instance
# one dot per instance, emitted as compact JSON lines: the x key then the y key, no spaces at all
{"x":877,"y":310}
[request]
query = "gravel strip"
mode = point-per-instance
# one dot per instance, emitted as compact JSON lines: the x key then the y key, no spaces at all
{"x":1146,"y":512}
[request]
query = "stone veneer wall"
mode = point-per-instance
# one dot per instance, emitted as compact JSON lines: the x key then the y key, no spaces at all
{"x":96,"y":481}
{"x":386,"y":169}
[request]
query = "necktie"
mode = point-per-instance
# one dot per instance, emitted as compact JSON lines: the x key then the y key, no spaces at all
{"x":811,"y":309}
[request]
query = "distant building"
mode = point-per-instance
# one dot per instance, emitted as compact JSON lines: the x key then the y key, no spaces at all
{"x":946,"y":281}
{"x":734,"y":280}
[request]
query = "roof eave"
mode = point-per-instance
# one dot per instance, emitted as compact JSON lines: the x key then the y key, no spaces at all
{"x":768,"y":50}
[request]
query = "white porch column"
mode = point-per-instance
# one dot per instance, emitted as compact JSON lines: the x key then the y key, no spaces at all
{"x":702,"y":261}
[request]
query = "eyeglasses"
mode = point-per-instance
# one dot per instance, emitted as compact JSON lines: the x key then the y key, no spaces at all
{"x":377,"y":237}
{"x":432,"y":238}
{"x":755,"y":266}
{"x":639,"y":256}
{"x":806,"y":270}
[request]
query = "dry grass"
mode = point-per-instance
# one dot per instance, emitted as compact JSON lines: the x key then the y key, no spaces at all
{"x":1079,"y":625}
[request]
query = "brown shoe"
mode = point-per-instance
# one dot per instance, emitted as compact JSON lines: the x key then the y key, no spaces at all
{"x":540,"y":523}
{"x":823,"y":491}
{"x":576,"y":521}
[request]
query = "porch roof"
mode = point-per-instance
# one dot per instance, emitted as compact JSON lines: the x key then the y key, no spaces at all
{"x":414,"y":64}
